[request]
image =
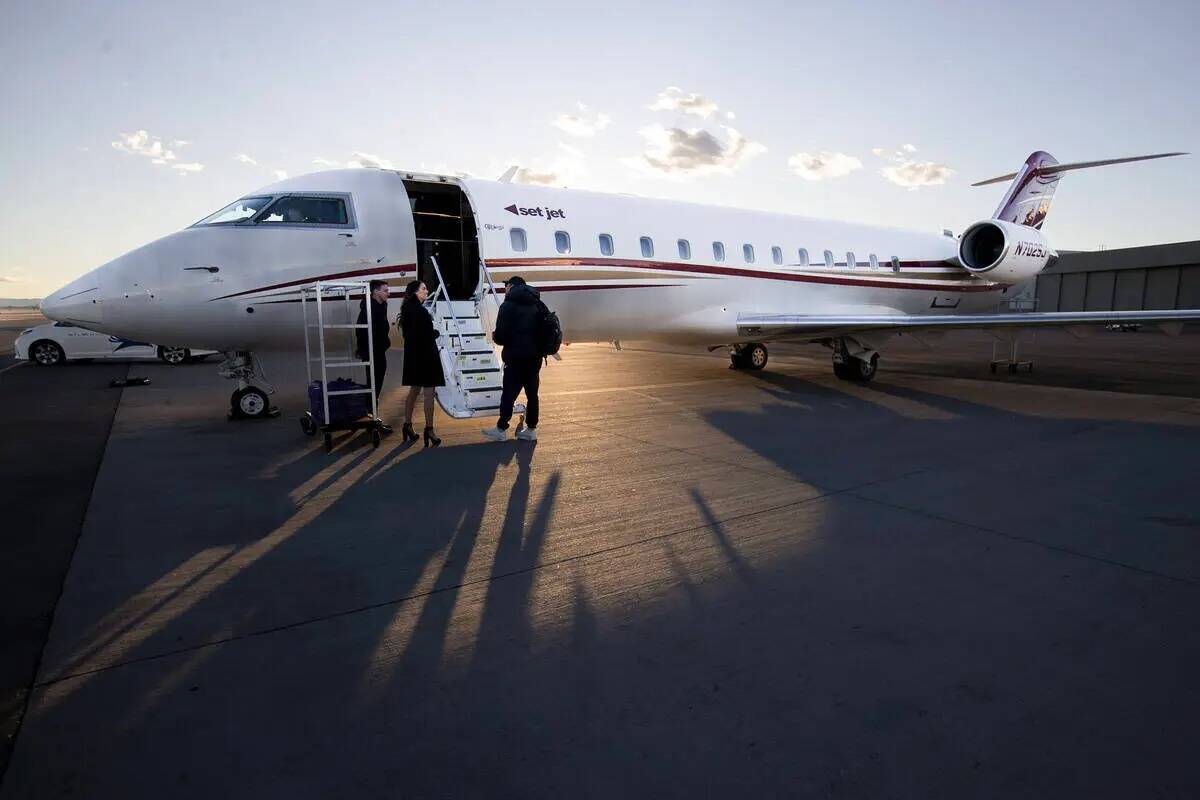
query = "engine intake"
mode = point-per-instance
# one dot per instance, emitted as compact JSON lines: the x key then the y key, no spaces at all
{"x":1007,"y":252}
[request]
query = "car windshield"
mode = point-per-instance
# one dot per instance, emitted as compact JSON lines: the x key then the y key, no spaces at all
{"x":237,"y":211}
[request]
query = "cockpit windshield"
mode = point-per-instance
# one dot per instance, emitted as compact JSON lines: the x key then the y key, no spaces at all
{"x":237,"y":211}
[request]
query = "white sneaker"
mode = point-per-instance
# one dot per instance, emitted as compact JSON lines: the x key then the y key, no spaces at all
{"x":527,"y":434}
{"x":495,"y":434}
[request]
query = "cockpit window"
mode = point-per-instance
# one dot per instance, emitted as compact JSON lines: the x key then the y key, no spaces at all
{"x":237,"y":211}
{"x":303,"y":210}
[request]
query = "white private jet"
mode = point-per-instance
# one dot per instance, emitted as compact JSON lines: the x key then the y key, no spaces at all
{"x":613,"y":267}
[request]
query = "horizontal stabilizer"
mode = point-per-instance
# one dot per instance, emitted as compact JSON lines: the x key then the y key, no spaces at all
{"x":1057,"y":168}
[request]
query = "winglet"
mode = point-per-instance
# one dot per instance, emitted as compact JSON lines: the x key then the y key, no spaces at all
{"x":508,"y":174}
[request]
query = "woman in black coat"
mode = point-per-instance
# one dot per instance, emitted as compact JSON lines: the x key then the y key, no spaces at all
{"x":422,"y":364}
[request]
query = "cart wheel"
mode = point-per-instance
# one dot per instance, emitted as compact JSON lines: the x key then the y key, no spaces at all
{"x":992,"y":367}
{"x":308,"y":424}
{"x":328,"y":442}
{"x":375,"y":437}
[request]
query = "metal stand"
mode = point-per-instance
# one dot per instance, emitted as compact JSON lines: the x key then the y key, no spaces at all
{"x":322,"y":294}
{"x":1013,"y":363}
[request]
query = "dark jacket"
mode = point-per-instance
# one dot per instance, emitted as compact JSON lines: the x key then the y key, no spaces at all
{"x":379,"y":328}
{"x":422,"y":364}
{"x":517,"y":322}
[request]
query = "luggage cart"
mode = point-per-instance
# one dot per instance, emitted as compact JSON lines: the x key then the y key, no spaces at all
{"x":324,"y":294}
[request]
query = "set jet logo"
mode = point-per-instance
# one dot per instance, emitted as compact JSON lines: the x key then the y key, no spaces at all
{"x":1030,"y":250}
{"x":544,"y":213}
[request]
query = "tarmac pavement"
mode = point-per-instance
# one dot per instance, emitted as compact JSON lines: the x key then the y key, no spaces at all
{"x":699,"y":582}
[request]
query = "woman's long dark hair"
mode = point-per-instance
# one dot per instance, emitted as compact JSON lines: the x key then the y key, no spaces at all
{"x":410,"y":298}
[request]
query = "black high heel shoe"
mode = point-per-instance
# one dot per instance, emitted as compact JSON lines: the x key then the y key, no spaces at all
{"x":430,"y":439}
{"x":409,"y":434}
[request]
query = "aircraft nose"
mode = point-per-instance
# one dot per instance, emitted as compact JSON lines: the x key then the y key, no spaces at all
{"x":80,"y":301}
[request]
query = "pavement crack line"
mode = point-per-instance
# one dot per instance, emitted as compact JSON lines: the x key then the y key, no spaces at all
{"x":1025,"y":539}
{"x":462,"y":584}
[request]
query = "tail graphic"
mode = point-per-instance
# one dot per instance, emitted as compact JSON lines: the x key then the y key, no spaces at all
{"x":1028,"y":198}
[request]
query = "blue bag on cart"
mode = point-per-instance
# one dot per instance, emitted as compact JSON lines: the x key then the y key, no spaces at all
{"x":342,"y":407}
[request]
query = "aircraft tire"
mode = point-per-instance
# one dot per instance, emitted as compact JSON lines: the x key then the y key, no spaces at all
{"x":250,"y":403}
{"x":755,"y":356}
{"x":863,"y":371}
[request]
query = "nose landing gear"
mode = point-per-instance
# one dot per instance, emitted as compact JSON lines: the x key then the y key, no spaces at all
{"x":247,"y":401}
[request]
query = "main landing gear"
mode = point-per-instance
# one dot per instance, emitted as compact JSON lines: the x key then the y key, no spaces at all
{"x":853,"y":362}
{"x":748,"y":356}
{"x":247,"y":401}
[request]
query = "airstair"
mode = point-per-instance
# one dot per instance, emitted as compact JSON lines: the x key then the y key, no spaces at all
{"x":470,"y":360}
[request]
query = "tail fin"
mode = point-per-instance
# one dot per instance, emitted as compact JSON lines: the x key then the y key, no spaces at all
{"x":1028,"y":198}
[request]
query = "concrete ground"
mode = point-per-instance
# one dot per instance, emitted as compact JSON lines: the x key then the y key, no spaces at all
{"x":698,"y":583}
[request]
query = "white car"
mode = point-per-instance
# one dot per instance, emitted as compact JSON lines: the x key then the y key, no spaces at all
{"x":59,"y":342}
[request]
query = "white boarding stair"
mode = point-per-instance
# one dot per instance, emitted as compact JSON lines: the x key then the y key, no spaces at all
{"x":470,"y":360}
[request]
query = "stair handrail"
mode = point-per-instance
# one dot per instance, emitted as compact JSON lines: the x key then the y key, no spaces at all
{"x":457,"y":367}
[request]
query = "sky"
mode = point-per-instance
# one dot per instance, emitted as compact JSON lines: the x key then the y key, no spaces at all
{"x":125,"y":121}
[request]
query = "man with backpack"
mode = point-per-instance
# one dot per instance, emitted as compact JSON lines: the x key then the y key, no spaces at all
{"x":528,"y":333}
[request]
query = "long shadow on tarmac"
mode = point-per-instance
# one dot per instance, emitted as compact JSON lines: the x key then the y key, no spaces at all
{"x":910,"y":631}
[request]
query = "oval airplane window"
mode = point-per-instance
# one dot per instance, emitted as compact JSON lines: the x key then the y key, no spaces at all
{"x":718,"y":251}
{"x":895,"y":264}
{"x":851,"y":261}
{"x":562,"y":241}
{"x":517,"y":237}
{"x":829,"y":258}
{"x":874,"y":261}
{"x":748,"y":253}
{"x":803,"y":257}
{"x":647,"y":247}
{"x":777,"y":255}
{"x":606,"y":245}
{"x":685,"y":249}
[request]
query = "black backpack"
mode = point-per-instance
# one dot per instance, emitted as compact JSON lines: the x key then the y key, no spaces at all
{"x":549,"y":332}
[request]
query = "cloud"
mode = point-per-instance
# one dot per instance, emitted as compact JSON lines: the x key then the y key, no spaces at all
{"x":242,"y":158}
{"x":680,"y":152}
{"x":915,"y":174}
{"x":360,"y":160}
{"x":537,"y":177}
{"x":584,"y":125}
{"x":822,"y":165}
{"x":11,"y":279}
{"x":675,"y":99}
{"x":325,"y":162}
{"x":910,"y":173}
{"x":141,"y":143}
{"x":280,"y":174}
{"x":573,"y":152}
{"x":568,"y":166}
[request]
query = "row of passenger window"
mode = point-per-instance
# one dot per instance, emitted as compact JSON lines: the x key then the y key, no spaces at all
{"x":562,"y":243}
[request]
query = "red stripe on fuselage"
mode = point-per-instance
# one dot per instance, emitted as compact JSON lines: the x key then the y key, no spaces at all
{"x":668,"y":266}
{"x":358,"y":273}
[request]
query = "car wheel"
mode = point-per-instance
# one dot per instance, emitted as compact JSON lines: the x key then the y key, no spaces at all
{"x":174,"y":355}
{"x":47,"y":354}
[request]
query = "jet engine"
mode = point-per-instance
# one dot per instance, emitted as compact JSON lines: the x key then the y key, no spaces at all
{"x":1004,"y":251}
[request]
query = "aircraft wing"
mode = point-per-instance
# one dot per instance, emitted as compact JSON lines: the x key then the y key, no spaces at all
{"x":825,"y":326}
